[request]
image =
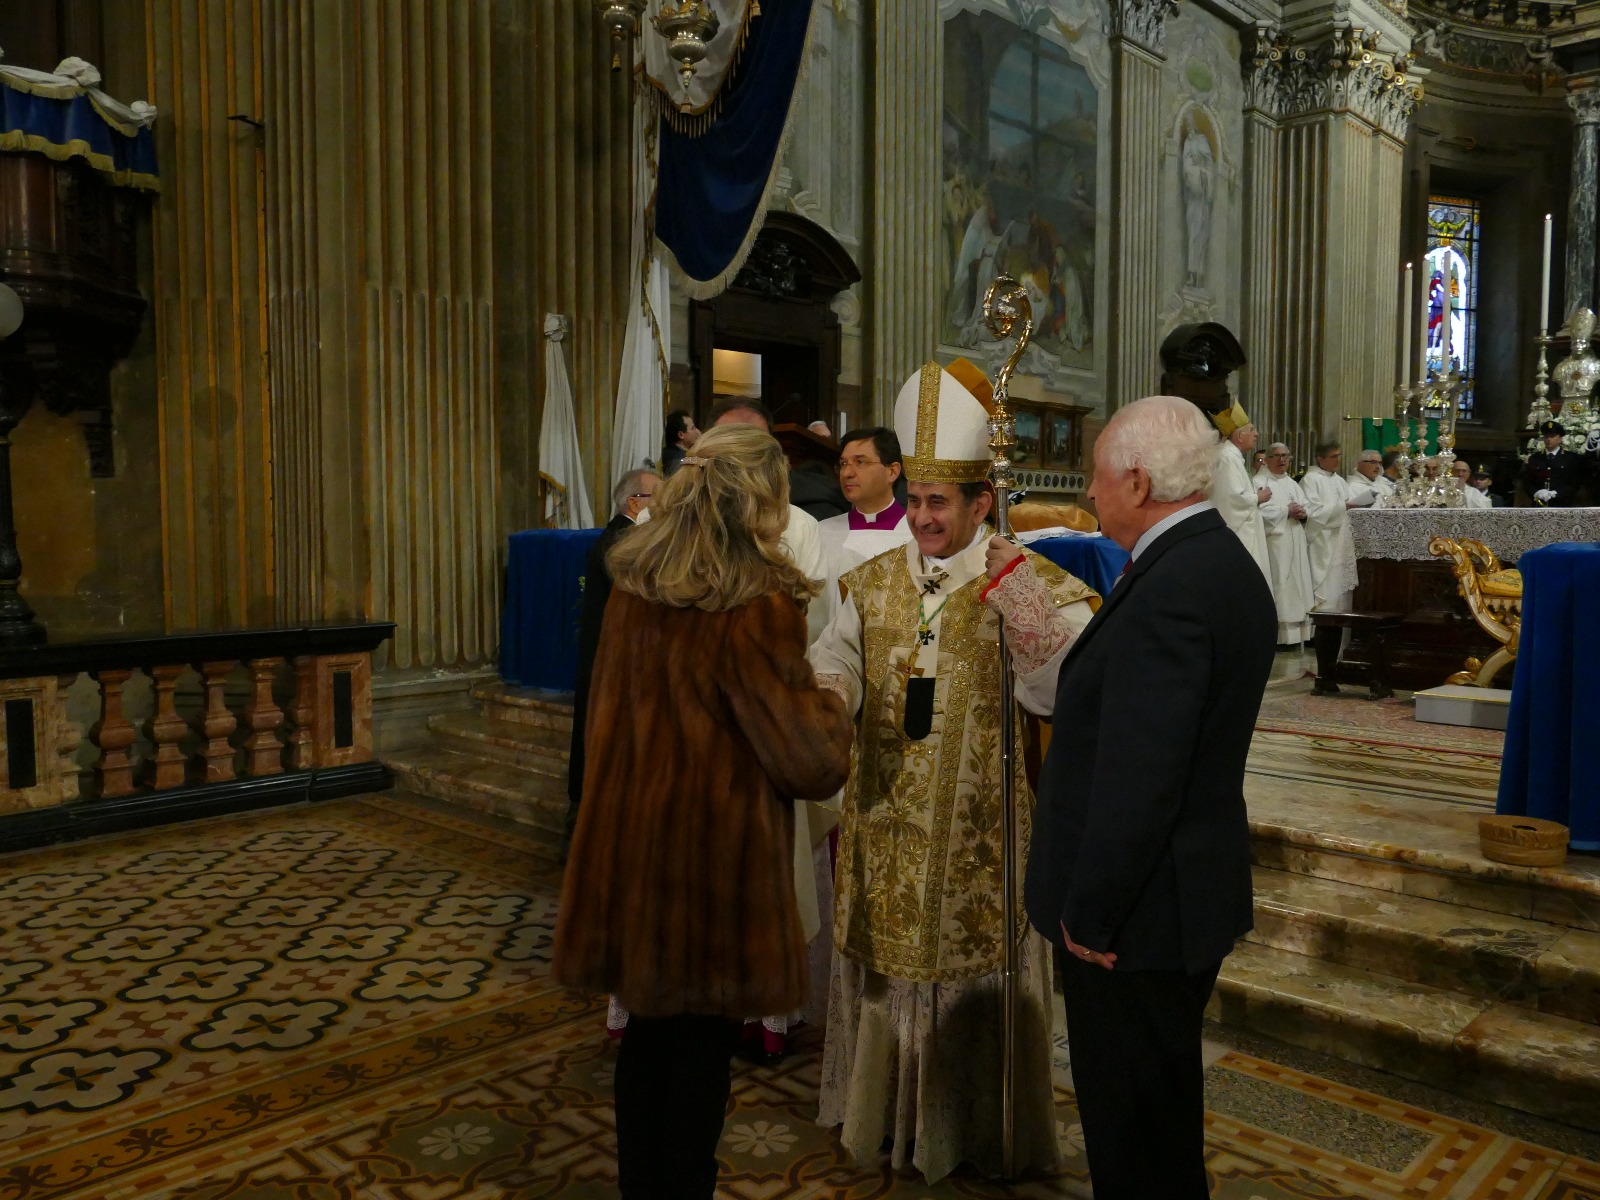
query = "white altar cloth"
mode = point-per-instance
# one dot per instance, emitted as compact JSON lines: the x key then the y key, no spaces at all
{"x":1404,"y":533}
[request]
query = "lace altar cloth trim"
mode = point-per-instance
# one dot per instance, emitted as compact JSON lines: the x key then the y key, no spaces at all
{"x":1404,"y":533}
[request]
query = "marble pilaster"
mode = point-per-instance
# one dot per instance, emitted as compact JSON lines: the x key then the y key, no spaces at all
{"x":903,"y":298}
{"x":1584,"y":97}
{"x":1138,"y":40}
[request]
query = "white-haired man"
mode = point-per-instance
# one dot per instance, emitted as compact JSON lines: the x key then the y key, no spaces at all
{"x":1140,"y":863}
{"x":1236,"y":496}
{"x":1329,"y":539}
{"x":1369,"y":486}
{"x":1471,"y":497}
{"x":1284,"y":515}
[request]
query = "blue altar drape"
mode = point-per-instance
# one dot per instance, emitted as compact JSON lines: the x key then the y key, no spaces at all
{"x":1551,"y":767}
{"x":709,"y":186}
{"x":544,"y":593}
{"x":64,"y":128}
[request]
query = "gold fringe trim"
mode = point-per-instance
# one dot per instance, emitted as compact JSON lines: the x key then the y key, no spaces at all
{"x":706,"y":289}
{"x":692,"y":122}
{"x":17,"y":140}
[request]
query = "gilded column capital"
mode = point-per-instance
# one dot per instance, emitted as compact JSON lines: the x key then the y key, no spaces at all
{"x":1342,"y":71}
{"x":1142,"y":22}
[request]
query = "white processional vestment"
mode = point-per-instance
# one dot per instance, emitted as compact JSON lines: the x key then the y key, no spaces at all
{"x":844,"y":549}
{"x":1368,"y":492}
{"x":1234,"y":494}
{"x":1286,"y":548}
{"x":1329,"y":539}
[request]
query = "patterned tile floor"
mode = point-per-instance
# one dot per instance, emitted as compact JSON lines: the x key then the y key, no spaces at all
{"x":351,"y":1001}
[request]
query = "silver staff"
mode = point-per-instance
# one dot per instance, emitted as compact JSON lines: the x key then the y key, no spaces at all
{"x":1005,"y":307}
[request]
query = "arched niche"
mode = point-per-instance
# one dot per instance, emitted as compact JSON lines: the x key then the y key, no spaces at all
{"x":780,"y":307}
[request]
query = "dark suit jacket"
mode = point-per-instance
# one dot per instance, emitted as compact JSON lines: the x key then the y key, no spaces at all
{"x":596,"y":591}
{"x":1140,"y":840}
{"x":1562,"y":473}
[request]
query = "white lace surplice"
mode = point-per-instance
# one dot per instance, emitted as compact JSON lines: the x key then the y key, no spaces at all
{"x":921,"y":1063}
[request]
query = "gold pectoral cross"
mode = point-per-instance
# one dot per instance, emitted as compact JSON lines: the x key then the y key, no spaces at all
{"x":909,"y":668}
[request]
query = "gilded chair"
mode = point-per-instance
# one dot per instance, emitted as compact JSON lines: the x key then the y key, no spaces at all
{"x":1494,"y":598}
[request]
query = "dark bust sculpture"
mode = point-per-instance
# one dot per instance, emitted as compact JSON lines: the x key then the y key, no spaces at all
{"x":1196,"y":360}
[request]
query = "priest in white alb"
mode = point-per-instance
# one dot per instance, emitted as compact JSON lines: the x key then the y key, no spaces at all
{"x":1369,"y":486}
{"x":913,"y":1051}
{"x":1329,"y":539}
{"x":870,"y":464}
{"x":1237,"y":497}
{"x":1283,"y":515}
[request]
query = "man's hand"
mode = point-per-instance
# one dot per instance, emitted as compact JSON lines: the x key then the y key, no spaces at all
{"x":1352,"y":504}
{"x":1544,"y":495}
{"x":1263,"y":495}
{"x":1297,"y":511}
{"x":1089,"y":956}
{"x":1002,"y":553}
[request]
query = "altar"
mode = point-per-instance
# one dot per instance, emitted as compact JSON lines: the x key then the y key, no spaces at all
{"x":1396,"y":573}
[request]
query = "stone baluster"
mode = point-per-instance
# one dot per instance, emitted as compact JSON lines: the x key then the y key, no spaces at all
{"x":263,"y":752}
{"x":215,"y":723}
{"x":165,"y":729}
{"x":301,"y":710}
{"x":114,"y":734}
{"x":67,"y":741}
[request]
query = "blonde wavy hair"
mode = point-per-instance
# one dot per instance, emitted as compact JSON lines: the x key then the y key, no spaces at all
{"x":712,"y":540}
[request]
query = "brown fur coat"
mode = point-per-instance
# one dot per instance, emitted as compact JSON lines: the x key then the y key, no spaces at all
{"x":703,"y":726}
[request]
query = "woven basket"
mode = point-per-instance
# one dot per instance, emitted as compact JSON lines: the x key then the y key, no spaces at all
{"x":1523,"y":841}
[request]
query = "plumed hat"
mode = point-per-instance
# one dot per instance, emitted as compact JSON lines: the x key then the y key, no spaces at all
{"x":1231,"y":419}
{"x":942,"y":419}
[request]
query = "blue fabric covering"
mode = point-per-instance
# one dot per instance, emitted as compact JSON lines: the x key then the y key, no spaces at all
{"x":1551,"y":767}
{"x":709,"y":188}
{"x":1095,"y":560}
{"x":544,"y":595}
{"x":74,"y":128}
{"x":544,"y":592}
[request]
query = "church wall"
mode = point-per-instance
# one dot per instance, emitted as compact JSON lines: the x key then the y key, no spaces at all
{"x":1510,"y":147}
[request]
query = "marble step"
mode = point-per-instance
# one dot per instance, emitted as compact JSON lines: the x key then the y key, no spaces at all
{"x":499,"y":789}
{"x":531,"y":747}
{"x":1531,"y":964}
{"x":1531,"y":1061}
{"x":530,"y":706}
{"x":1414,"y":846}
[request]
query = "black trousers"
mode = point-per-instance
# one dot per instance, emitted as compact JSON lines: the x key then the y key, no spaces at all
{"x":1135,"y":1041}
{"x":672,"y":1085}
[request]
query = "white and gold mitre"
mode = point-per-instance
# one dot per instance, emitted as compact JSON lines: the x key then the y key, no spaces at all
{"x":942,"y":419}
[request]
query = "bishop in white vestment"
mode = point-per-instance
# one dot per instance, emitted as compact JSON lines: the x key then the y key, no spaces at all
{"x":913,"y":1047}
{"x":1283,"y":516}
{"x":1235,"y":494}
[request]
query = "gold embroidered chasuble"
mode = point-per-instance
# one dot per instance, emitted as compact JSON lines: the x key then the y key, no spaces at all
{"x":918,"y":880}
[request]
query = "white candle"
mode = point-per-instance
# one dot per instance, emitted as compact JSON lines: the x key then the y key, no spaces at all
{"x":1422,"y":321}
{"x":1449,"y":319}
{"x":1544,"y":290}
{"x":1405,"y":327}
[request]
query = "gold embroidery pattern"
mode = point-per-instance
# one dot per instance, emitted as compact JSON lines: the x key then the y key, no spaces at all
{"x":928,"y":412}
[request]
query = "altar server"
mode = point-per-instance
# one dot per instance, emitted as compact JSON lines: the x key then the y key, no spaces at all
{"x":1329,"y":540}
{"x":1283,"y":515}
{"x":1237,"y":497}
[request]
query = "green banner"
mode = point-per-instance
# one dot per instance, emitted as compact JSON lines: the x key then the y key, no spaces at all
{"x":1385,"y":436}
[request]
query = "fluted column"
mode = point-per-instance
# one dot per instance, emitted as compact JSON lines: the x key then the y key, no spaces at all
{"x":1325,"y":125}
{"x":907,"y":52}
{"x":1584,"y":97}
{"x":214,"y":446}
{"x":1138,"y":48}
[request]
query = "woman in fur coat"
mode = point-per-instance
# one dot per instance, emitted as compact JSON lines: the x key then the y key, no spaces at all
{"x":705,"y":723}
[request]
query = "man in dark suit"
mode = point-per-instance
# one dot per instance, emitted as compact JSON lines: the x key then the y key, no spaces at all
{"x":1140,"y":862}
{"x":629,"y":498}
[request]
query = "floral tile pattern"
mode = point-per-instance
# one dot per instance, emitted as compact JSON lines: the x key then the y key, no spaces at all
{"x":358,"y":1008}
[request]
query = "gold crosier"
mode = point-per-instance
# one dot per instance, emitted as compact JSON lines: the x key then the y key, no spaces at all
{"x":1006,"y":307}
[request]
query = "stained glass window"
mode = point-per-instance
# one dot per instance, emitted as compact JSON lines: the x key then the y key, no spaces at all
{"x":1451,"y":277}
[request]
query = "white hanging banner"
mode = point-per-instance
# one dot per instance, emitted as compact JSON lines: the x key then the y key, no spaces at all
{"x":637,"y":420}
{"x":566,"y":503}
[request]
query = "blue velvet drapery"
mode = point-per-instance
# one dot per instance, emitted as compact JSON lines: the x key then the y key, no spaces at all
{"x":73,"y":127}
{"x":709,"y":187}
{"x":1551,"y":767}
